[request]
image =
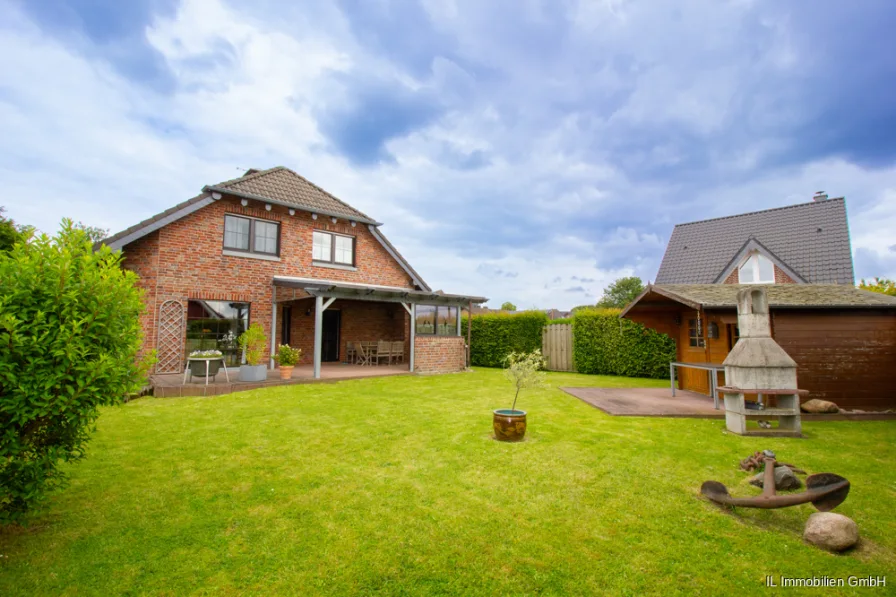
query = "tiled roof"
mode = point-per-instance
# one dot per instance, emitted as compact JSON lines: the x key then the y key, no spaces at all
{"x":779,"y":295}
{"x":810,"y":238}
{"x":284,"y":186}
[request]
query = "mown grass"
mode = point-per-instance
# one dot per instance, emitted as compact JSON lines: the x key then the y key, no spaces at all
{"x":394,"y":486}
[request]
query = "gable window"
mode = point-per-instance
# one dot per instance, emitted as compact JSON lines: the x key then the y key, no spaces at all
{"x":328,"y":247}
{"x":757,"y":269}
{"x":251,"y":235}
{"x":436,"y":320}
{"x":695,"y":334}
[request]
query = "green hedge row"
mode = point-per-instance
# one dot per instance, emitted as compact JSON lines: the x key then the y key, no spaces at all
{"x":497,"y":335}
{"x":605,"y":344}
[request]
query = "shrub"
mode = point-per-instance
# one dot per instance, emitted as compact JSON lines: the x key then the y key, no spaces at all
{"x":252,"y":341}
{"x":604,"y":344}
{"x":70,"y":332}
{"x":206,"y":354}
{"x":287,"y":356}
{"x":494,"y":336}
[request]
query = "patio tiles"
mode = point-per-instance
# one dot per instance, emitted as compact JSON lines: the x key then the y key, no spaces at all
{"x":648,"y":402}
{"x":658,"y":402}
{"x":172,"y":385}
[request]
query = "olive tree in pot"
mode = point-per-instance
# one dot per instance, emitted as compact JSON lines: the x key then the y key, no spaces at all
{"x":252,"y":342}
{"x":287,"y":357}
{"x":523,"y":370}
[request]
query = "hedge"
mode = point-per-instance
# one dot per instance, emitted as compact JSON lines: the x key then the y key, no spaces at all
{"x":605,"y":344}
{"x":497,"y":335}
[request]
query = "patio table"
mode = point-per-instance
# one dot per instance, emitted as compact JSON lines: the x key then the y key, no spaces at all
{"x":190,"y":360}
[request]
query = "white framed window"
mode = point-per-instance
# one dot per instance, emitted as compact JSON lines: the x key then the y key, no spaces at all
{"x":757,"y":269}
{"x":333,"y":248}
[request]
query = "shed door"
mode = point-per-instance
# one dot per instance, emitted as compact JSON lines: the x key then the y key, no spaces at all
{"x":692,"y":350}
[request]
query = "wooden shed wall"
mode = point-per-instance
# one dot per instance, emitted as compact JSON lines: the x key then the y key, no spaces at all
{"x":845,"y":356}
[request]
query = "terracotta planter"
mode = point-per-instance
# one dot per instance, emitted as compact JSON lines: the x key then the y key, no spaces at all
{"x":286,"y":371}
{"x":509,"y":425}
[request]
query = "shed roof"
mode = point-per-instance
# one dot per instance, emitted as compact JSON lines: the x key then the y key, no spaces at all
{"x":814,"y":296}
{"x":811,"y":238}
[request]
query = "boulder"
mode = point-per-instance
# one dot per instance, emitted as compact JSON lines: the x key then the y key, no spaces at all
{"x":785,"y":479}
{"x":817,"y":406}
{"x":831,"y":531}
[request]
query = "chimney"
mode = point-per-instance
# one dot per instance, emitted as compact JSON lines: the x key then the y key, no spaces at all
{"x":820,"y":196}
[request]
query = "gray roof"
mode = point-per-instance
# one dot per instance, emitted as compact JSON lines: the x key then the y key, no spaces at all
{"x":811,"y":239}
{"x":782,"y":296}
{"x":283,"y":186}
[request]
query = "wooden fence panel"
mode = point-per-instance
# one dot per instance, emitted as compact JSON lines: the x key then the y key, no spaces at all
{"x":556,"y":346}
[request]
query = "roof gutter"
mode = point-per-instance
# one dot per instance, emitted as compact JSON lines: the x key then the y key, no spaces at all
{"x":226,"y":191}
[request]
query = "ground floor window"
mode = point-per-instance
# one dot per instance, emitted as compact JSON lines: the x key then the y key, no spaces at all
{"x":217,"y":325}
{"x":437,"y":320}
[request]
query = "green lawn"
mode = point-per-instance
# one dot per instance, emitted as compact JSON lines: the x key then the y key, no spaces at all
{"x":393,"y":486}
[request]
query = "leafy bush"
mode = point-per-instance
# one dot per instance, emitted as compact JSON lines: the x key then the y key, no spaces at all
{"x":604,"y":344}
{"x":70,"y":332}
{"x":287,"y":356}
{"x":252,"y":341}
{"x":882,"y":285}
{"x":494,"y":336}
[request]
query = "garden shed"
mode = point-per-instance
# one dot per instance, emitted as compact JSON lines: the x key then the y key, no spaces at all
{"x":842,"y":338}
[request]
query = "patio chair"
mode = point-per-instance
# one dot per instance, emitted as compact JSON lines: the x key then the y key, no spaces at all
{"x":383,"y":351}
{"x":398,"y":351}
{"x":366,"y":352}
{"x":350,"y":352}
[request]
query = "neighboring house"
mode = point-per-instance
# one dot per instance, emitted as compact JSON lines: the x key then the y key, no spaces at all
{"x":273,"y":248}
{"x":802,"y":244}
{"x":842,"y":338}
{"x":557,"y":314}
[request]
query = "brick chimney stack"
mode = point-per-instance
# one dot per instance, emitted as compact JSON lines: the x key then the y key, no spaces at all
{"x":820,"y":196}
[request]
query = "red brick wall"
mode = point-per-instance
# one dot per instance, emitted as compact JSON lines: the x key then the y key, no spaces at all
{"x":185,"y":260}
{"x":733,"y":277}
{"x":782,"y":278}
{"x":439,"y":354}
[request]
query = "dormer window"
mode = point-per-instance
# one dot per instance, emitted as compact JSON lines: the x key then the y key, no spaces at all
{"x":337,"y":249}
{"x":757,"y":269}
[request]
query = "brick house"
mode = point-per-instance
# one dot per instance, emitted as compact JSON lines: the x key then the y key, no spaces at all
{"x":802,"y":244}
{"x":273,"y":248}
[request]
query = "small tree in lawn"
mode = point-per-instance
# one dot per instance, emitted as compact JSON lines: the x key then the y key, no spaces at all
{"x":524,"y":371}
{"x":70,"y":336}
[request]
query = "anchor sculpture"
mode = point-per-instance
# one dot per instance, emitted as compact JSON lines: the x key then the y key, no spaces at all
{"x":826,"y":491}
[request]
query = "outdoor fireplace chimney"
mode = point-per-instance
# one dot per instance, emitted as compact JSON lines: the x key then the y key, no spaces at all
{"x":758,"y":365}
{"x":820,"y":196}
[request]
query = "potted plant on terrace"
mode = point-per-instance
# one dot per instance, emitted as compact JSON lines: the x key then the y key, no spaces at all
{"x":252,"y":342}
{"x":287,"y":357}
{"x":200,"y":359}
{"x":523,"y":371}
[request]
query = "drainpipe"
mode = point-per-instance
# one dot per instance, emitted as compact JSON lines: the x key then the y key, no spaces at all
{"x":318,"y":333}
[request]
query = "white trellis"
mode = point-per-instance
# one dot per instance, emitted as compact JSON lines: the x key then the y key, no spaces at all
{"x":171,"y":337}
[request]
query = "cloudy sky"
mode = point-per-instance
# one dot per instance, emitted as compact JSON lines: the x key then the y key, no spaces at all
{"x":522,"y":150}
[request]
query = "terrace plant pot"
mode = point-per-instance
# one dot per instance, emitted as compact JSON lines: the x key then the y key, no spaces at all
{"x":253,"y":372}
{"x":286,"y":371}
{"x":509,"y":424}
{"x":197,"y":367}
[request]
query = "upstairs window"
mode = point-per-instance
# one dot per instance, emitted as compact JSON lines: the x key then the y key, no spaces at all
{"x":251,"y":235}
{"x":327,"y":247}
{"x":757,"y":269}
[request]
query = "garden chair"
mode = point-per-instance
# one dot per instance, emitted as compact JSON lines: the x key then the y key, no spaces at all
{"x":364,"y":353}
{"x":398,"y":351}
{"x":383,"y":351}
{"x":350,"y":352}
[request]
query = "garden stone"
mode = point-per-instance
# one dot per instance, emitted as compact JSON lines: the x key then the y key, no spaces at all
{"x":831,"y":531}
{"x":817,"y":406}
{"x":785,"y":479}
